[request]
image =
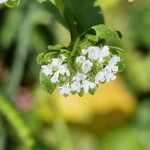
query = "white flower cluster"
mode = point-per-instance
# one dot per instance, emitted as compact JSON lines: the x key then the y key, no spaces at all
{"x":57,"y":70}
{"x":84,"y":80}
{"x":3,"y":1}
{"x":108,"y":73}
{"x":79,"y":83}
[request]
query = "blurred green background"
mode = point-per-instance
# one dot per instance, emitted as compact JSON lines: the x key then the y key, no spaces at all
{"x":117,"y":117}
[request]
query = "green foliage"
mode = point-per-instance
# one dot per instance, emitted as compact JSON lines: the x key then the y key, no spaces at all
{"x":108,"y":34}
{"x":83,"y":14}
{"x":46,"y":85}
{"x":45,"y":58}
{"x":52,"y":52}
{"x":77,"y":22}
{"x":12,"y":3}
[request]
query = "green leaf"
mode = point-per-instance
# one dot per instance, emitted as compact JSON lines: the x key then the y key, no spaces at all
{"x":53,"y":51}
{"x":55,"y":47}
{"x":44,"y":58}
{"x":92,"y":91}
{"x":46,"y":84}
{"x":54,"y":11}
{"x":81,"y":93}
{"x":91,"y":38}
{"x":84,"y":14}
{"x":107,"y":33}
{"x":102,"y":34}
{"x":12,"y":3}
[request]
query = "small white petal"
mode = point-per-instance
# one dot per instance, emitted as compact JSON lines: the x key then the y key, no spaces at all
{"x":79,"y":77}
{"x":100,"y":60}
{"x":84,"y":51}
{"x":86,"y":85}
{"x":100,"y":77}
{"x":54,"y":78}
{"x":63,"y":70}
{"x":47,"y":70}
{"x":114,"y":60}
{"x":105,"y":48}
{"x":86,"y":66}
{"x":110,"y":77}
{"x":56,"y":62}
{"x":112,"y":68}
{"x":65,"y":89}
{"x":80,"y":59}
{"x":76,"y":86}
{"x":104,"y":51}
{"x":93,"y":52}
{"x":92,"y":85}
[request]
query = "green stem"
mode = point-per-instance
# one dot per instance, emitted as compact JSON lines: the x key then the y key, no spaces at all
{"x":68,"y":17}
{"x":114,"y":47}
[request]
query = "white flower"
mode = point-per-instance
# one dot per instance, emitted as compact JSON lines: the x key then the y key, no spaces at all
{"x":114,"y":60}
{"x":100,"y":59}
{"x":93,"y":52}
{"x":100,"y":77}
{"x":3,"y":1}
{"x":64,"y":70}
{"x":63,"y":57}
{"x":86,"y":85}
{"x":54,"y":78}
{"x":84,"y":51}
{"x":56,"y":62}
{"x":110,"y":76}
{"x":80,"y":59}
{"x":47,"y":70}
{"x":86,"y":66}
{"x":79,"y":77}
{"x":104,"y":51}
{"x":65,"y":89}
{"x":76,"y":86}
{"x":105,"y":48}
{"x":112,"y":68}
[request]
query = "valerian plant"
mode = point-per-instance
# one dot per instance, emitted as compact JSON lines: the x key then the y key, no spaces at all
{"x":92,"y":56}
